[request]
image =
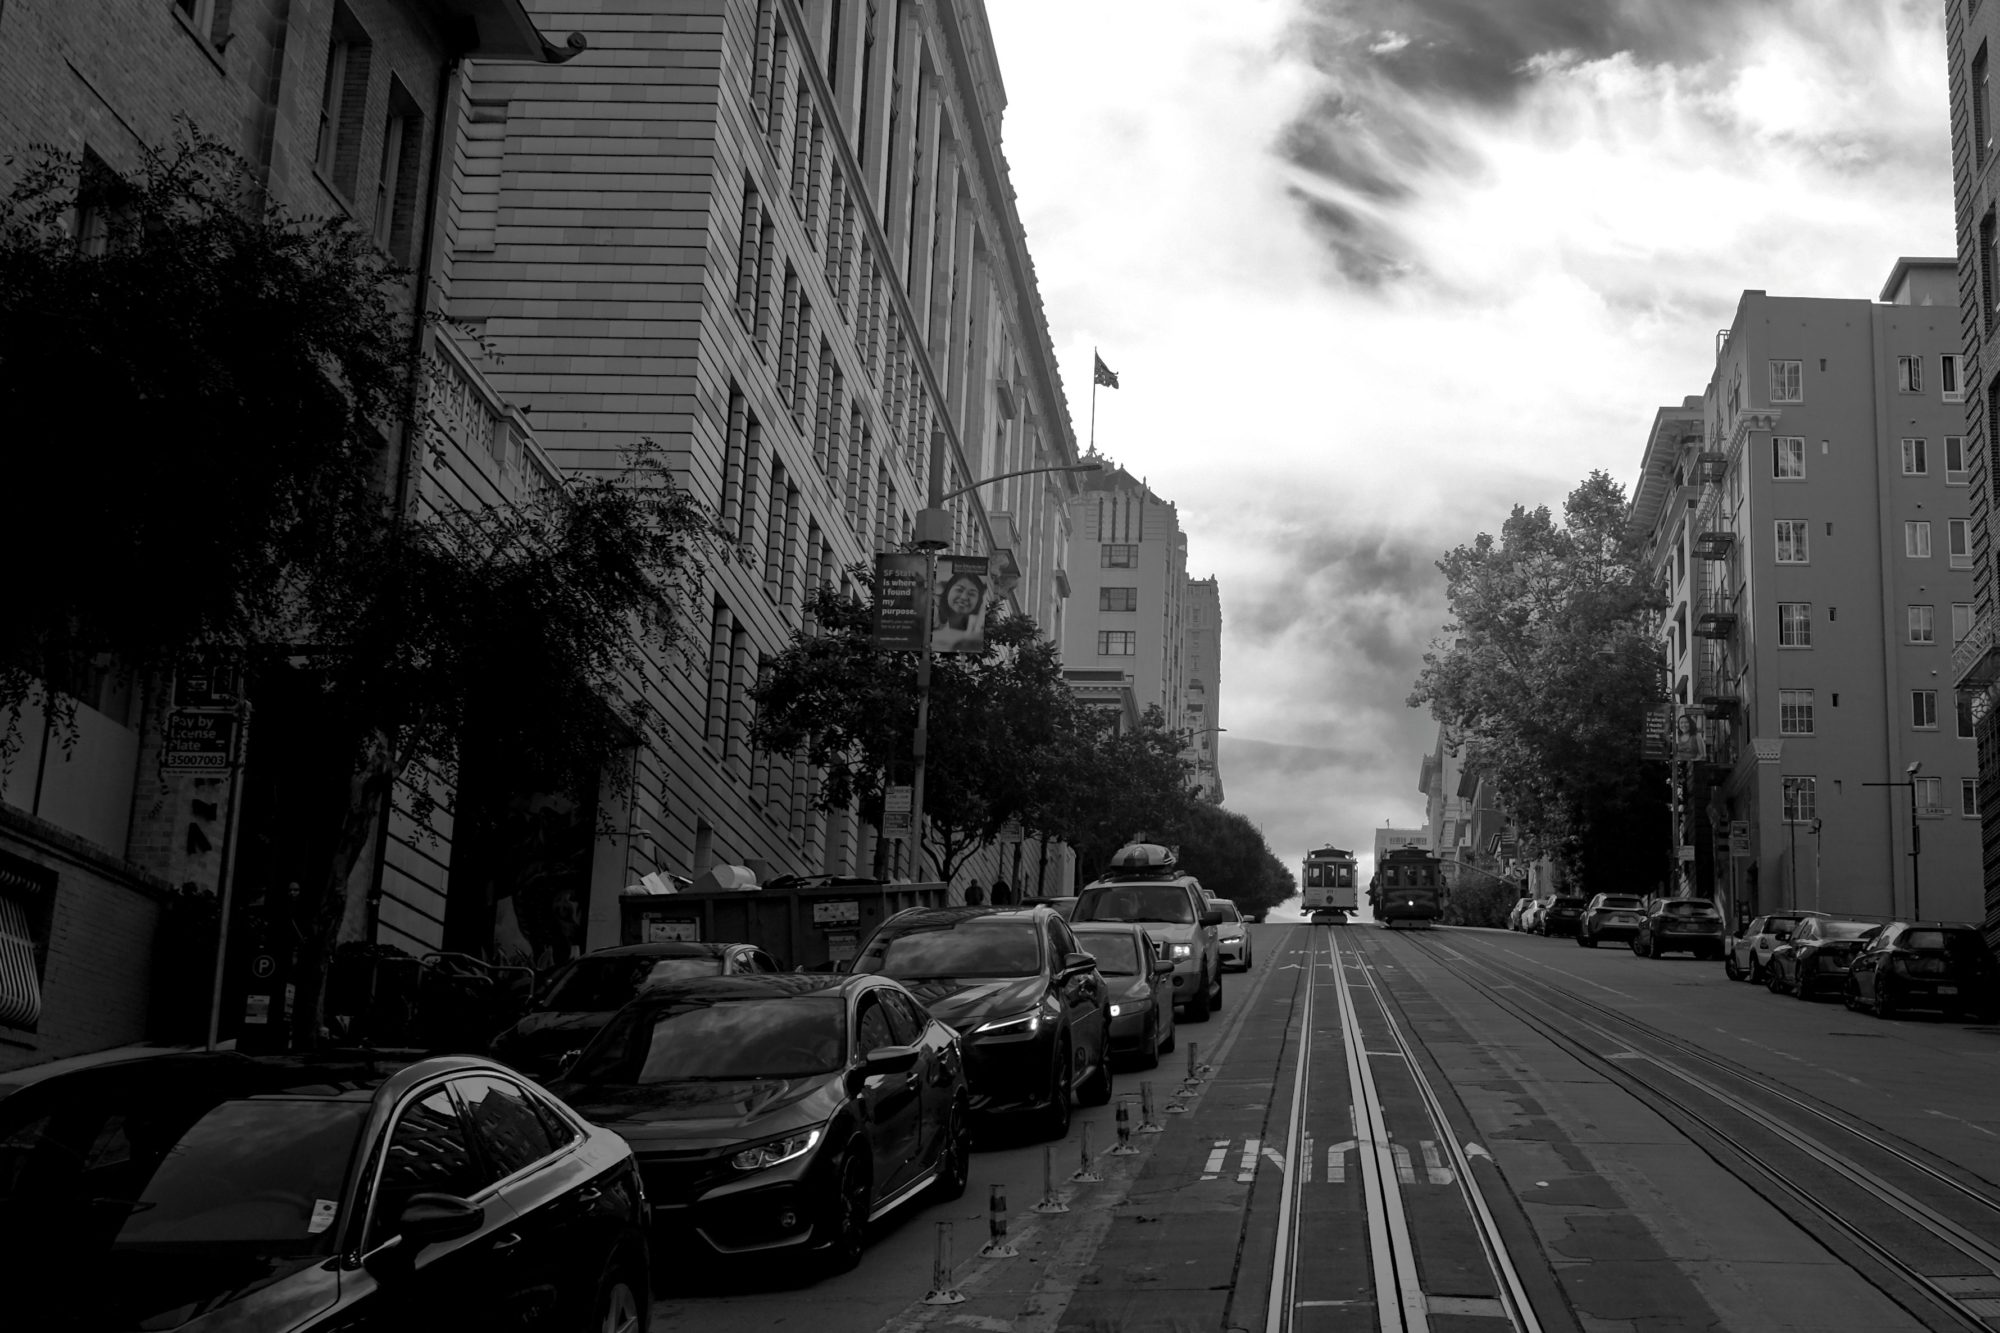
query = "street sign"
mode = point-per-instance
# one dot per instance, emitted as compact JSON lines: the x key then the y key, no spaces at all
{"x":661,"y":929}
{"x":1739,"y":837}
{"x":841,"y":912}
{"x":205,"y":683}
{"x":1009,"y":831}
{"x":199,"y":742}
{"x":902,"y":602}
{"x":896,"y":812}
{"x":1658,"y":743}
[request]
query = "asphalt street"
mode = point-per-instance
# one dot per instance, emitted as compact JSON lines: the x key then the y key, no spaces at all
{"x":1466,"y":1130}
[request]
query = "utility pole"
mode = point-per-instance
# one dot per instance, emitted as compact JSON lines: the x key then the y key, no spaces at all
{"x":1916,"y":844}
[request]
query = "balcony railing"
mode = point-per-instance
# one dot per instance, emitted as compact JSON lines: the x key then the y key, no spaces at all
{"x":479,"y":421}
{"x":1974,"y":664}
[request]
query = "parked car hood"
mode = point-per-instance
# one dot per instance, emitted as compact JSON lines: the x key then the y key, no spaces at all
{"x":720,"y":1108}
{"x":966,"y":1002}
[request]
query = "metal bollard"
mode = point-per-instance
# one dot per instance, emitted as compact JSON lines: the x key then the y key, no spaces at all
{"x":1193,"y":1079}
{"x":1051,"y":1201}
{"x":1147,"y":1124}
{"x":1124,"y":1148}
{"x":942,"y":1292}
{"x":996,"y":1246}
{"x":1085,"y":1173}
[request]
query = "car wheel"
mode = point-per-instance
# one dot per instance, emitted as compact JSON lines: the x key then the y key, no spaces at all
{"x":1149,"y":1044}
{"x":1883,"y":1008}
{"x":620,"y":1305}
{"x":1055,"y":1120}
{"x":1802,"y":990}
{"x":1729,"y":967}
{"x":1774,"y":981}
{"x":1096,"y":1089}
{"x":1197,"y":1008}
{"x":1850,"y":996}
{"x":847,"y":1214}
{"x":1759,"y":974}
{"x":955,"y":1159}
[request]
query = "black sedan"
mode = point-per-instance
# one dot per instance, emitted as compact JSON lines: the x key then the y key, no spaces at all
{"x":780,"y":1113}
{"x":583,"y":994}
{"x":1141,"y":987}
{"x":1816,"y":956}
{"x":1924,"y":965}
{"x":301,"y":1194}
{"x":1033,"y":1010}
{"x":1562,"y":916}
{"x":1680,"y":925}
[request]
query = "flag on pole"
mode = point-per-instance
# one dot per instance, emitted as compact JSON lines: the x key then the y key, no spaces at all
{"x":1103,"y":374}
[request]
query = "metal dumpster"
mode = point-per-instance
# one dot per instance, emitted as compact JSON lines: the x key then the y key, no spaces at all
{"x":808,"y":924}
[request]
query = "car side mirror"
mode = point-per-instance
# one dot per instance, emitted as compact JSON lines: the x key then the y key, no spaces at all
{"x":426,"y":1219}
{"x":1163,"y":967}
{"x":567,"y":1061}
{"x":1074,"y":964}
{"x":1213,"y":916}
{"x":882,"y":1060}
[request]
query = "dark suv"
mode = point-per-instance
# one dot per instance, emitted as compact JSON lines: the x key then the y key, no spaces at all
{"x":1024,"y":996}
{"x":1924,"y":965}
{"x":1680,"y":925}
{"x":1562,"y":916}
{"x":1610,"y":916}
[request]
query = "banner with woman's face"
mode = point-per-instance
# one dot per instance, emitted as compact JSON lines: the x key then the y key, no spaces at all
{"x":958,"y":604}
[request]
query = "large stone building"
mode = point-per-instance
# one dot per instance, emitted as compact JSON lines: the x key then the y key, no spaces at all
{"x":1972,"y":42}
{"x":1808,"y":520}
{"x":336,"y":106}
{"x":1202,"y":713}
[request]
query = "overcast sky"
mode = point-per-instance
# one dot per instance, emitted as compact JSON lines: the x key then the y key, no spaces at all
{"x":1373,"y":271}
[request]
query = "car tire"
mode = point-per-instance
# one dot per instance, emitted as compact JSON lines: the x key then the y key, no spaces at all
{"x":1584,"y":941}
{"x":1884,"y":1008}
{"x":1096,"y":1089}
{"x":955,"y":1161}
{"x":1803,"y":989}
{"x":1774,"y":981}
{"x":1197,"y":1008}
{"x":621,"y":1304}
{"x":1149,"y":1044}
{"x":847,"y":1213}
{"x":1850,"y":996}
{"x":1729,"y":967}
{"x":1055,"y":1119}
{"x":1759,"y":974}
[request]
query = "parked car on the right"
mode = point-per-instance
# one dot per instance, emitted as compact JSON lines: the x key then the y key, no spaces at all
{"x":1680,"y":925}
{"x":1817,"y":956}
{"x":1943,"y":965}
{"x":1746,"y":956}
{"x":1610,"y":916}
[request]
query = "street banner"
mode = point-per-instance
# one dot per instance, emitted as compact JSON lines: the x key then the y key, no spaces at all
{"x":1659,"y":733}
{"x":902,"y":602}
{"x":896,"y":812}
{"x":1690,"y":737}
{"x":958,"y":602}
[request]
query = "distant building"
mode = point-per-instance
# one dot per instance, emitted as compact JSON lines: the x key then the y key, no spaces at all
{"x":1390,"y":839}
{"x":1972,"y":40}
{"x":1128,"y":565}
{"x":1809,"y":519}
{"x":1202,"y":711}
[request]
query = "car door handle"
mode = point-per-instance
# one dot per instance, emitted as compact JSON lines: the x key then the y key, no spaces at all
{"x":589,"y":1194}
{"x":506,"y":1242}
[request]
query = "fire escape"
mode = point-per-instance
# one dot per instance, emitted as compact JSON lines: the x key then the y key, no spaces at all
{"x":1713,"y":603}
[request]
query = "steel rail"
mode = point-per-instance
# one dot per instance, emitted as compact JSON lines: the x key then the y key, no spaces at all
{"x":1941,"y":1228}
{"x":1284,"y":1259}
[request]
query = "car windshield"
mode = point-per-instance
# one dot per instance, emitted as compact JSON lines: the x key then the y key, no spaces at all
{"x":705,"y":1039}
{"x":1116,"y":955}
{"x":1567,"y":902}
{"x":176,"y":1204}
{"x":1843,"y":930}
{"x":1952,"y":941}
{"x":597,"y":984}
{"x":1611,"y":902}
{"x":1137,"y":902}
{"x":1227,"y":908}
{"x":1685,"y":908}
{"x":978,"y":947}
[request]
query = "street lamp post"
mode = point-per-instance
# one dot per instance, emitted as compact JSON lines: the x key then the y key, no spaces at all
{"x":932,"y":534}
{"x":1916,"y":844}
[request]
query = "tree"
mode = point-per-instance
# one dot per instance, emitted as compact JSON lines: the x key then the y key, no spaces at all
{"x":997,"y":720}
{"x":1108,"y":785}
{"x":1546,"y":675}
{"x":243,"y":378}
{"x":1228,"y":854}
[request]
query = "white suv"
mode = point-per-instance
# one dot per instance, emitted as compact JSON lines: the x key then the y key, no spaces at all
{"x":1143,"y":884}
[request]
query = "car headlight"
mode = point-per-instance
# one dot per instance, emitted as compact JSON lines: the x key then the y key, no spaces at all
{"x":1117,"y":1009}
{"x":1180,"y":951}
{"x":1016,"y":1025}
{"x":776,"y":1151}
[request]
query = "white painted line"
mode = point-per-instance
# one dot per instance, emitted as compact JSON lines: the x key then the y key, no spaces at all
{"x":1278,"y":1158}
{"x":1405,"y":1173}
{"x":1336,"y":1162}
{"x":1306,"y":1162}
{"x":1215,"y":1160}
{"x":1434,"y":1168}
{"x":1248,"y":1166}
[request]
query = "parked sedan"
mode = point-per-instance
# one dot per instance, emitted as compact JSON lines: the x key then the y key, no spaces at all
{"x":1140,"y":984}
{"x":1562,"y":915}
{"x":1232,"y":940}
{"x":583,"y":995}
{"x":1531,"y":915}
{"x":312,"y":1193}
{"x":1680,"y":925}
{"x":1032,"y":1008}
{"x":780,"y":1113}
{"x":1924,"y":965}
{"x":1817,"y":956}
{"x":1610,"y":916}
{"x":1519,"y":910}
{"x":1748,"y":955}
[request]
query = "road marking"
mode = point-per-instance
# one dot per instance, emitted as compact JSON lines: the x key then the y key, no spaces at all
{"x":1336,"y":1162}
{"x":1963,"y":1121}
{"x":1306,"y":1161}
{"x":1434,"y":1168}
{"x":1247,"y":1168}
{"x":1405,"y":1173}
{"x":1216,"y":1159}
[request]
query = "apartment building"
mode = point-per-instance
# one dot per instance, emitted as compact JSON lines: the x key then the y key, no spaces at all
{"x":1128,"y":564}
{"x":1972,"y":42}
{"x":336,"y":106}
{"x":779,"y":239}
{"x":1202,"y":713}
{"x":1809,"y":521}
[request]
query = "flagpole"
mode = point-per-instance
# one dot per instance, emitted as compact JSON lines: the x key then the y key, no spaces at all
{"x":1093,"y":400}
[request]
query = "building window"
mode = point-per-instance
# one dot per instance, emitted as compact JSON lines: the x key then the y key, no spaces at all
{"x":1958,"y":540}
{"x":1961,"y":621}
{"x":1987,"y":239}
{"x":1923,"y":709}
{"x":1115,"y":556}
{"x":1982,"y":119}
{"x":1929,"y":794}
{"x":1801,"y":800}
{"x":1917,"y":540}
{"x":343,"y":101}
{"x":1923,"y":624}
{"x":27,"y":900}
{"x":1968,"y":797}
{"x":1909,"y":374}
{"x":1951,"y":377}
{"x":201,"y":16}
{"x":1788,"y":382}
{"x":1791,"y":541}
{"x":1795,"y":624}
{"x":1118,"y":599}
{"x":1963,"y":707}
{"x":1117,"y":643}
{"x":1954,"y":460}
{"x":1788,"y":456}
{"x":1916,"y":462}
{"x":1795,"y":712}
